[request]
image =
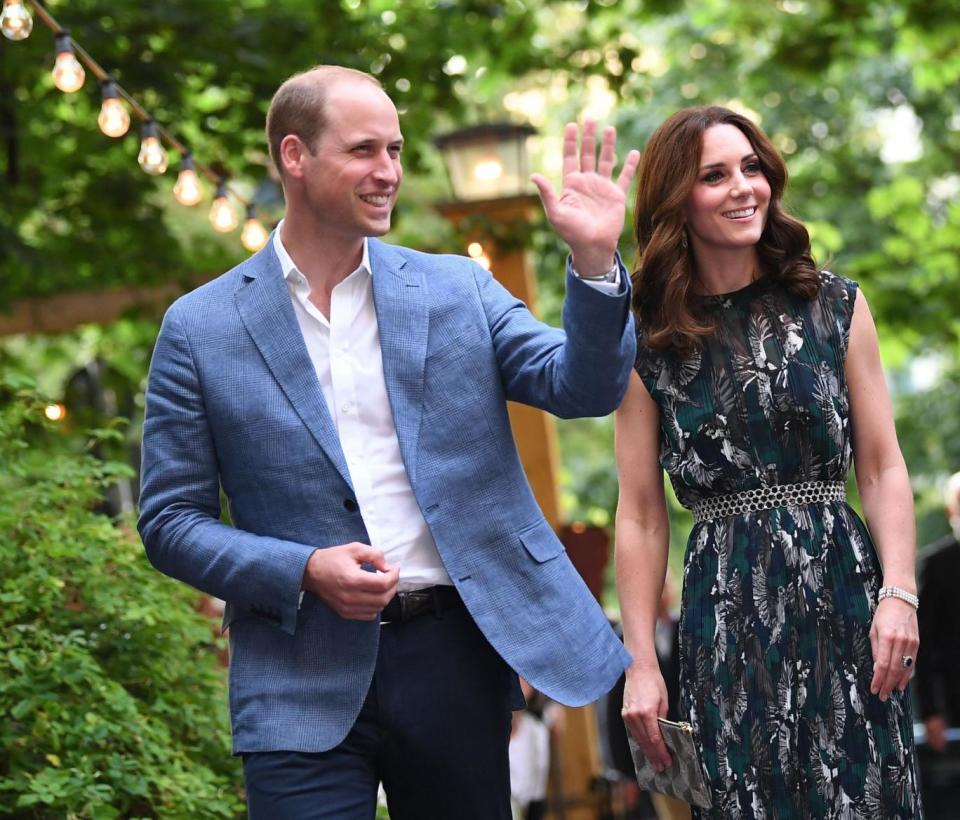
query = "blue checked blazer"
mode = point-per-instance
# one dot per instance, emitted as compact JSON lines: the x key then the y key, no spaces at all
{"x":233,"y":401}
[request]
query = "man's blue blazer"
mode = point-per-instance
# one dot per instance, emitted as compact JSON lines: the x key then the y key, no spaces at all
{"x":233,"y":401}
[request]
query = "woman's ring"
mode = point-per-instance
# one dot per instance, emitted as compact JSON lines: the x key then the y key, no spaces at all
{"x":906,"y":661}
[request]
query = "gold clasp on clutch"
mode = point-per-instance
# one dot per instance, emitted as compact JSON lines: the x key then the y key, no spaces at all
{"x":682,"y":725}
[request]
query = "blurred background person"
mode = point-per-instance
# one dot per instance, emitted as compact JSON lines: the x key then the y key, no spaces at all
{"x":529,"y":759}
{"x":938,"y":665}
{"x":938,"y":668}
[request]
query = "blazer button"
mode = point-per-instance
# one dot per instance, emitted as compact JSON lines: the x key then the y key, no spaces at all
{"x":349,"y":505}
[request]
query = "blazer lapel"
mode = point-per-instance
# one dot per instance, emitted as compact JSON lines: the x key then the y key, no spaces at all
{"x":399,"y":297}
{"x":263,"y":302}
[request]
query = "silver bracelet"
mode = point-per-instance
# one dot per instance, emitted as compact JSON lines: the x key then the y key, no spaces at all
{"x":609,"y":276}
{"x":902,"y":594}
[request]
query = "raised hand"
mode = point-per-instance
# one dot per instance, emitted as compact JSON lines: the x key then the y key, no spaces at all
{"x":589,"y":212}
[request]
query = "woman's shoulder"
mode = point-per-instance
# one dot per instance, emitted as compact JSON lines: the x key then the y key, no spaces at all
{"x":832,"y":285}
{"x":836,"y":299}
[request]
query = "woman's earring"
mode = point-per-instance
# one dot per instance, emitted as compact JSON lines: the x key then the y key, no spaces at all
{"x":683,"y":239}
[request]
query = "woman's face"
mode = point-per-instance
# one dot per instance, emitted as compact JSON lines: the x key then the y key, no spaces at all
{"x":727,"y":208}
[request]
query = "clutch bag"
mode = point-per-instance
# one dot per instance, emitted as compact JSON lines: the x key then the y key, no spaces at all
{"x":684,"y":778}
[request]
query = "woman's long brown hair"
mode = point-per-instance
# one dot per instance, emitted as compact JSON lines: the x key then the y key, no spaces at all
{"x":664,"y":290}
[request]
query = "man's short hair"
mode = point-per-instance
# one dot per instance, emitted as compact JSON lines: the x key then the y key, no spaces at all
{"x":299,"y":106}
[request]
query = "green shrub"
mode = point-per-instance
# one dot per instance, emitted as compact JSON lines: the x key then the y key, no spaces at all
{"x":112,"y":700}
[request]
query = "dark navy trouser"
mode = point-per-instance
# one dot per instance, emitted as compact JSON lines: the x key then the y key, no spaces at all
{"x":434,"y":729}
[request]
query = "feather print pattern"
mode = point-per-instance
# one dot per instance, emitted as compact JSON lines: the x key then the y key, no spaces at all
{"x":775,"y":650}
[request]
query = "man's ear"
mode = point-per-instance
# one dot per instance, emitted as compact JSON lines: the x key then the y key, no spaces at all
{"x":292,"y":152}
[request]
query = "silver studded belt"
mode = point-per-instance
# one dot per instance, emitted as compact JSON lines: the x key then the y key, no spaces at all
{"x":766,"y":498}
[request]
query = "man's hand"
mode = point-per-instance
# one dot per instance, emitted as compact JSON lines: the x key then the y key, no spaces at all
{"x":336,"y":575}
{"x":588,"y":215}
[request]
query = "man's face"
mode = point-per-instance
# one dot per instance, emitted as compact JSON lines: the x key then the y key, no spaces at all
{"x":351,"y":178}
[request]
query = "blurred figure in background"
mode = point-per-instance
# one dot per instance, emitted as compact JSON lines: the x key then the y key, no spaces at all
{"x":529,"y":759}
{"x":938,"y":665}
{"x":938,"y":668}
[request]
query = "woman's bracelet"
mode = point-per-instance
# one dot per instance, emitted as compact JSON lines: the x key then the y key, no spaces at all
{"x":902,"y":594}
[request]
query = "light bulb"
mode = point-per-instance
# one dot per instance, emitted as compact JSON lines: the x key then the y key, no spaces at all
{"x":488,"y":170}
{"x":68,"y":74}
{"x":114,"y":120}
{"x":55,"y":412}
{"x":253,"y":236}
{"x":222,"y":216}
{"x":15,"y":21}
{"x":152,"y":157}
{"x":187,"y":188}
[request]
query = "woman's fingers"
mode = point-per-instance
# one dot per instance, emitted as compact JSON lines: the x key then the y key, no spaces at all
{"x":895,"y":643}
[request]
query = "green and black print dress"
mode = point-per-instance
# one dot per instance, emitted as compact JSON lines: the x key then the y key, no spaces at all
{"x":777,"y":604}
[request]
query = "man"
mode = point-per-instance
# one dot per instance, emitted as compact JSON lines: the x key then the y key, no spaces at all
{"x":388,"y":572}
{"x":938,"y":664}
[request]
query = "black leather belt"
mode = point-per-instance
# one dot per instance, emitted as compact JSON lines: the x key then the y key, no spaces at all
{"x":405,"y":606}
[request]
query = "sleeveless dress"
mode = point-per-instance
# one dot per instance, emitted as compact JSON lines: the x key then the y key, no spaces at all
{"x":775,"y":653}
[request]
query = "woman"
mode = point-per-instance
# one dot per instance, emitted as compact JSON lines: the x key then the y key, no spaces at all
{"x":757,"y":377}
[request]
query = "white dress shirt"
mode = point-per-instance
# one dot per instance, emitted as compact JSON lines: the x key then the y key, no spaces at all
{"x":345,"y":352}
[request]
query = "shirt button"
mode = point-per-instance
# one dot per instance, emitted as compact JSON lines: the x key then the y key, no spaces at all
{"x":345,"y":408}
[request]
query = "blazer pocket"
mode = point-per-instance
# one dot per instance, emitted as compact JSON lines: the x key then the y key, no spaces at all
{"x":541,"y":542}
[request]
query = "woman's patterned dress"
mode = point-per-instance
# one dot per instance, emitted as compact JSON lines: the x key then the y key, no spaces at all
{"x":777,"y":605}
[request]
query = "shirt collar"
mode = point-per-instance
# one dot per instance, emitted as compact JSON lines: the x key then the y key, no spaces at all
{"x":289,"y":267}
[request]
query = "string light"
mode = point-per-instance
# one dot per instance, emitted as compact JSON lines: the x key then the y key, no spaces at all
{"x":55,"y":412}
{"x":187,"y":188}
{"x":68,"y":74}
{"x":253,"y":236}
{"x":477,"y":253}
{"x":152,"y":157}
{"x":222,"y":216}
{"x":15,"y":21}
{"x":114,"y":120}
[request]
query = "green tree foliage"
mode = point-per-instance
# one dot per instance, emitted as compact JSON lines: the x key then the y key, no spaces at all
{"x":113,"y":699}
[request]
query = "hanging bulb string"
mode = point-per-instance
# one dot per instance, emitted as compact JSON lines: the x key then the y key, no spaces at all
{"x":165,"y":136}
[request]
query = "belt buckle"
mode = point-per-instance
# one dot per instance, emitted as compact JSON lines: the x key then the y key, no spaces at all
{"x":411,"y":603}
{"x":414,"y":602}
